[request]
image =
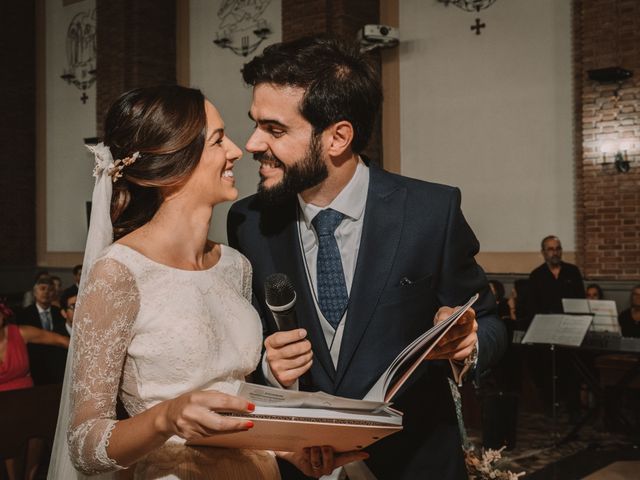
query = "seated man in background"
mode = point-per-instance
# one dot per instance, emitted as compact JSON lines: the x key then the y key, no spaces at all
{"x":27,"y":299}
{"x":73,"y":289}
{"x":629,"y":319}
{"x":47,"y":362}
{"x":68,"y":308}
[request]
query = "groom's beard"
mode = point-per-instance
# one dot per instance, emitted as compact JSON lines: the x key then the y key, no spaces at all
{"x":307,"y":172}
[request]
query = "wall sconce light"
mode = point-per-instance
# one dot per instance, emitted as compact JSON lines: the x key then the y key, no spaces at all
{"x":249,"y":41}
{"x":620,"y":161}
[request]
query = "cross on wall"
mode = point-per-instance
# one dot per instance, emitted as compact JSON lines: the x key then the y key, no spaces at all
{"x":478,"y":26}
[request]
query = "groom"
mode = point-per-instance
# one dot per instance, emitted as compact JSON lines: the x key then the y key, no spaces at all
{"x":375,"y":258}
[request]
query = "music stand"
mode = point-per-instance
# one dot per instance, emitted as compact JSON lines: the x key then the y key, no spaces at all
{"x":553,"y":330}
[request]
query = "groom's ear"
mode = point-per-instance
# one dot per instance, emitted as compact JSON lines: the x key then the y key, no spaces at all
{"x":338,"y":137}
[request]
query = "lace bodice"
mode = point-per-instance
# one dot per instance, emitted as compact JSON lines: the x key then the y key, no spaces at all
{"x":149,"y":332}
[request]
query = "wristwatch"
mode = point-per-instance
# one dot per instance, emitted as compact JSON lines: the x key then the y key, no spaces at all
{"x":470,"y":359}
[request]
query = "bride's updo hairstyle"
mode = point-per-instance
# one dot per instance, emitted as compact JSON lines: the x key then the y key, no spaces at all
{"x":167,"y":125}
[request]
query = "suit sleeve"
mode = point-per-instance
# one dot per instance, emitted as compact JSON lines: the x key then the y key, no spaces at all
{"x":461,"y":277}
{"x":235,"y":223}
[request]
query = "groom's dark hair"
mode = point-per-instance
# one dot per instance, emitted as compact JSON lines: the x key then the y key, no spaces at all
{"x":339,"y":82}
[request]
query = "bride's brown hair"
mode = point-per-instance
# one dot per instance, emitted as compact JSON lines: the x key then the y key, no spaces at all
{"x":167,"y":125}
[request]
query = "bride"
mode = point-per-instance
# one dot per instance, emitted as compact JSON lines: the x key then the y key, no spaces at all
{"x":164,"y":318}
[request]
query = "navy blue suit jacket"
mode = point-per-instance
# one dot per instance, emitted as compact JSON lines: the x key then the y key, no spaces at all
{"x":412,"y":230}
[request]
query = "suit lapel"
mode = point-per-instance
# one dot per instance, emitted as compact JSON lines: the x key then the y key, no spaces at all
{"x":381,"y":231}
{"x":287,"y":257}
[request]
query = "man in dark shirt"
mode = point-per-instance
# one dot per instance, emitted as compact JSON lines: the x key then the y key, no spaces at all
{"x":553,"y":280}
{"x":548,"y":285}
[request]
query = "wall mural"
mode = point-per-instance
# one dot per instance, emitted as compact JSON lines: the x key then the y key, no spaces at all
{"x":471,"y":6}
{"x":81,"y":52}
{"x":242,"y":28}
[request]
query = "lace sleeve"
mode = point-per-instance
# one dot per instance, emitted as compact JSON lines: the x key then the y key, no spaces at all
{"x":247,"y":274}
{"x":106,"y":311}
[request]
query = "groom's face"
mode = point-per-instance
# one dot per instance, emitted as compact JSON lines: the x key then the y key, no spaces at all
{"x":291,"y":156}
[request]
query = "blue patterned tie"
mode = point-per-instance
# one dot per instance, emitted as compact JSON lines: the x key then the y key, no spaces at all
{"x":332,"y":289}
{"x":45,"y":319}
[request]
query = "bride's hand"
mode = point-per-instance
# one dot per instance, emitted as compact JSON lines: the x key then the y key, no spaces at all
{"x":193,"y":415}
{"x":318,"y":461}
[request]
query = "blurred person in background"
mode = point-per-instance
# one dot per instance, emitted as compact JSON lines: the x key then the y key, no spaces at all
{"x":629,"y":319}
{"x":56,"y":291}
{"x":47,"y":362}
{"x":15,"y":374}
{"x":594,"y":292}
{"x":27,"y":299}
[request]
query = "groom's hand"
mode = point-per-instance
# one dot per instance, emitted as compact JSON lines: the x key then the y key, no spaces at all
{"x":459,"y":341}
{"x":289,"y":355}
{"x":318,"y":461}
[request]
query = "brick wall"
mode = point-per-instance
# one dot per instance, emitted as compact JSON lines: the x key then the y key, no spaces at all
{"x":136,"y":48}
{"x":342,"y":18}
{"x":17,"y":134}
{"x":607,"y":33}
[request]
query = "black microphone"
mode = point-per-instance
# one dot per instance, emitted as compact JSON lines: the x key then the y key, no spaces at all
{"x":280,"y":297}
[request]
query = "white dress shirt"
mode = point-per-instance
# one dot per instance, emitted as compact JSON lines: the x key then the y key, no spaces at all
{"x":350,"y":202}
{"x":47,"y":312}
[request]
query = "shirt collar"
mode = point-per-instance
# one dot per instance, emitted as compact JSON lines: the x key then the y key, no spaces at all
{"x":350,"y":201}
{"x":40,"y":309}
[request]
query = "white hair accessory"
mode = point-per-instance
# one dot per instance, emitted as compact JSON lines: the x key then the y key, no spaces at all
{"x":103,"y":158}
{"x":106,"y":164}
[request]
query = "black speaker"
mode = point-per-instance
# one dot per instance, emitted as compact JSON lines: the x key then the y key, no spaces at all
{"x":609,"y":74}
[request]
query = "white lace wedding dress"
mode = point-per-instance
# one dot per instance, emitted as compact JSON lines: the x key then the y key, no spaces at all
{"x":148,"y":332}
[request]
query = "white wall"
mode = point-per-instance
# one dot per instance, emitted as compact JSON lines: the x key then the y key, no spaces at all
{"x":216,"y":72}
{"x":68,"y":121}
{"x":492,"y":114}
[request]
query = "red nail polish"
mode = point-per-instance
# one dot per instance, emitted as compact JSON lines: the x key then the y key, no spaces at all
{"x":249,"y":424}
{"x":251,"y":407}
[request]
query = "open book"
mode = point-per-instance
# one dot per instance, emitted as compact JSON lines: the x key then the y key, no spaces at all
{"x":290,"y":420}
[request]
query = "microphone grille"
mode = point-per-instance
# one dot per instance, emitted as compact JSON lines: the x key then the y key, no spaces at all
{"x":278,"y":290}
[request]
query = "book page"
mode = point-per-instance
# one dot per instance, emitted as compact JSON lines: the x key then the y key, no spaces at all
{"x":277,"y":397}
{"x":414,"y":354}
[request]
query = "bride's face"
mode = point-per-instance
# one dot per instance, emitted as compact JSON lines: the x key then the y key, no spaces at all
{"x":213,"y":176}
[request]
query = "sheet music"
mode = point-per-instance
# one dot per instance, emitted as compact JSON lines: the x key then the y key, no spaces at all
{"x":558,"y":329}
{"x":603,"y":307}
{"x":605,"y":316}
{"x":605,"y":312}
{"x":575,"y":305}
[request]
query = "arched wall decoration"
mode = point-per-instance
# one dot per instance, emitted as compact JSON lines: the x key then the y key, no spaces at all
{"x":472,"y":6}
{"x":242,"y":28}
{"x":81,"y":52}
